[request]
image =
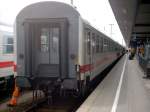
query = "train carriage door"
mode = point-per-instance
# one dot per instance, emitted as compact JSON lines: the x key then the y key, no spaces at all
{"x":47,"y":49}
{"x":54,"y":45}
{"x":88,"y":49}
{"x":45,"y":53}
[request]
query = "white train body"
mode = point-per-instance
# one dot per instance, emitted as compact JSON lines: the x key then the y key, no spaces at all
{"x":54,"y":43}
{"x":6,"y":60}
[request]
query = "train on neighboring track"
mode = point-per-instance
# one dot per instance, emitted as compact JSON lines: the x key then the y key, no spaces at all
{"x":6,"y":61}
{"x":58,"y":50}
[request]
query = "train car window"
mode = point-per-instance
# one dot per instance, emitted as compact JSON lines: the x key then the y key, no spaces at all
{"x":88,"y":43}
{"x":101,"y":44}
{"x":111,"y":46}
{"x":97,"y":44}
{"x":55,"y":40}
{"x":114,"y":47}
{"x":149,"y":51}
{"x":108,"y":48}
{"x":44,"y":40}
{"x":93,"y":43}
{"x":54,"y":46}
{"x":105,"y":45}
{"x":8,"y":44}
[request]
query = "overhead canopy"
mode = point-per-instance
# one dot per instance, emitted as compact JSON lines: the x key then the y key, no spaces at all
{"x":133,"y":17}
{"x":5,"y":24}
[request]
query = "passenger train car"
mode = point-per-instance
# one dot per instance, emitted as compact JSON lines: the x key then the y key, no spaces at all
{"x":56,"y":48}
{"x":6,"y":60}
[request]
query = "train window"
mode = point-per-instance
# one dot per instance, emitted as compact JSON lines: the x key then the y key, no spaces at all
{"x":50,"y":43}
{"x":44,"y":39}
{"x":8,"y":42}
{"x":110,"y":45}
{"x":54,"y":46}
{"x":88,"y":43}
{"x":93,"y":42}
{"x":55,"y":41}
{"x":101,"y":44}
{"x":113,"y":47}
{"x":97,"y":44}
{"x":105,"y":45}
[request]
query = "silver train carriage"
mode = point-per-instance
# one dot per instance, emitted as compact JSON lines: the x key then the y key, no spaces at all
{"x":57,"y":48}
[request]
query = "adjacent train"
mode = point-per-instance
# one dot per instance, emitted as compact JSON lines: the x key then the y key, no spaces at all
{"x":6,"y":61}
{"x":57,"y":49}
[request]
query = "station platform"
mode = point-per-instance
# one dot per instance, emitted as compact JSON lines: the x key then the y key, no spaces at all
{"x":123,"y":90}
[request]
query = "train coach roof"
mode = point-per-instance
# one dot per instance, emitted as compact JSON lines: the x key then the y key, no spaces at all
{"x":43,"y":9}
{"x":96,"y":30}
{"x":50,"y":9}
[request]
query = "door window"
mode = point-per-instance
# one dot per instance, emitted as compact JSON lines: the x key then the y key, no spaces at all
{"x":54,"y":46}
{"x":49,"y":43}
{"x":44,"y":39}
{"x":8,"y":46}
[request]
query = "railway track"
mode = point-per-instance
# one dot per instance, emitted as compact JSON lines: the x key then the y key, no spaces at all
{"x":65,"y":104}
{"x":60,"y":104}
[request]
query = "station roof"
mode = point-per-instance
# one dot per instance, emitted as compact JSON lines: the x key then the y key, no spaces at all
{"x":133,"y":17}
{"x":5,"y":24}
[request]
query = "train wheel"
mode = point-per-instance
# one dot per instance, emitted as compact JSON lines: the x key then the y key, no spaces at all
{"x":85,"y":87}
{"x":88,"y":86}
{"x":83,"y":90}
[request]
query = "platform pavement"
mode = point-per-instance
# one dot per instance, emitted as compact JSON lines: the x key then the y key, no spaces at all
{"x":134,"y":94}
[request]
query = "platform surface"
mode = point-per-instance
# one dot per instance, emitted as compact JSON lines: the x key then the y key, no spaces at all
{"x":123,"y":90}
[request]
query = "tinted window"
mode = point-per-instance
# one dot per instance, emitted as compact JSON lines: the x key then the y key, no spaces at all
{"x":8,"y":42}
{"x":97,"y":44}
{"x":44,"y":39}
{"x":88,"y":43}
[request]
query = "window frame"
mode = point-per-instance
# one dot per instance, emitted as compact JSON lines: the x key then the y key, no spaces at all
{"x":5,"y":44}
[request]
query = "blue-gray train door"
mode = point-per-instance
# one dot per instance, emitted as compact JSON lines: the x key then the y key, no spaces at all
{"x":47,"y":48}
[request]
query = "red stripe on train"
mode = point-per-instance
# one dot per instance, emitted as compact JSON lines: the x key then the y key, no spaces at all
{"x":89,"y":67}
{"x":6,"y":64}
{"x":85,"y":68}
{"x":15,"y":67}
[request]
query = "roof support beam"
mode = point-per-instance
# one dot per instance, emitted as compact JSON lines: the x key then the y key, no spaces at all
{"x":142,"y":25}
{"x":140,"y":32}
